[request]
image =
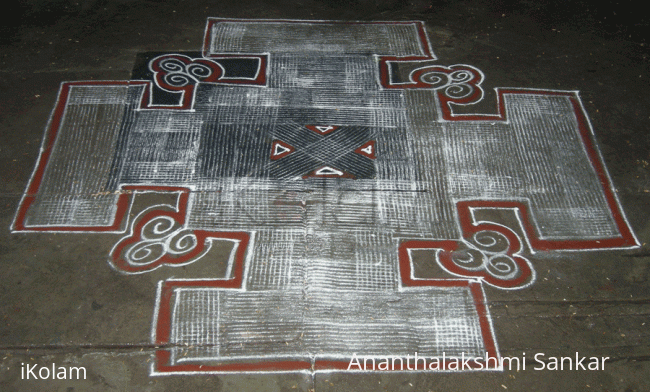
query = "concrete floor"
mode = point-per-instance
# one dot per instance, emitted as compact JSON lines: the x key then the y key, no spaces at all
{"x":61,"y":303}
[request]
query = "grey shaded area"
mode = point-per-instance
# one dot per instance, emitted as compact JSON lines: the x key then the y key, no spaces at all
{"x":62,"y":304}
{"x":322,"y":240}
{"x":434,"y":164}
{"x":304,"y":37}
{"x":328,"y":324}
{"x":74,"y":191}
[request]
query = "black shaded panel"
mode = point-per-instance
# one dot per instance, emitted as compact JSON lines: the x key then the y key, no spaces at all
{"x":233,"y":68}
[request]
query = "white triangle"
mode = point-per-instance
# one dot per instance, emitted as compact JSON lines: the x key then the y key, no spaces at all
{"x":368,"y":149}
{"x":324,"y":129}
{"x":280,"y":149}
{"x":328,"y":171}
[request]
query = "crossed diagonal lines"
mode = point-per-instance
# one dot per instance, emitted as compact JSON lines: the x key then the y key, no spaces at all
{"x":322,"y":151}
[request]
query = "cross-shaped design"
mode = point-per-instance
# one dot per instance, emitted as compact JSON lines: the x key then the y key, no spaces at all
{"x":328,"y":166}
{"x":322,"y":151}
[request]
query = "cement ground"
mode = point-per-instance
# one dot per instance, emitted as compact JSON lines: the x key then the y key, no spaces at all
{"x":61,"y":303}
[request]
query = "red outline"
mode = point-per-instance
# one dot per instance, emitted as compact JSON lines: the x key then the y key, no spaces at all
{"x":313,"y":174}
{"x":406,"y":276}
{"x":202,"y":237}
{"x":467,"y":225}
{"x":318,"y":131}
{"x":123,"y":199}
{"x":417,"y":83}
{"x":371,"y":144}
{"x":163,"y":325}
{"x":626,"y":238}
{"x":163,"y":329}
{"x":422,"y":35}
{"x":274,"y":156}
{"x":260,"y":80}
{"x":37,"y":178}
{"x":468,"y":228}
{"x":384,"y":78}
{"x":187,"y":101}
{"x":479,"y":302}
{"x":447,"y":247}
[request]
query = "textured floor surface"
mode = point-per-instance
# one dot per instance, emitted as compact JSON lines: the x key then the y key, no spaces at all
{"x":249,"y":196}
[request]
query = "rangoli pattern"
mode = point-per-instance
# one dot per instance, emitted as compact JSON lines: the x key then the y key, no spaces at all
{"x":327,"y":153}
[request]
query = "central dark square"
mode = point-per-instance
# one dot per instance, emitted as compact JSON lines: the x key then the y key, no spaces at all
{"x":322,"y":151}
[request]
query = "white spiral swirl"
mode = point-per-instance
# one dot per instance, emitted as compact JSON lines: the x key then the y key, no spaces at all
{"x":171,"y":65}
{"x":491,"y":241}
{"x":437,"y":80}
{"x":160,"y":236}
{"x":502,"y":266}
{"x":144,"y":253}
{"x":469,"y":259}
{"x":181,"y":242}
{"x":199,"y":71}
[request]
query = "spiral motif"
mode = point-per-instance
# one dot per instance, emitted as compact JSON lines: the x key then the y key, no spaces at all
{"x":487,"y":251}
{"x":144,"y":253}
{"x":178,"y":79}
{"x":157,"y":228}
{"x":160,"y":236}
{"x":436,"y":79}
{"x":457,"y":83}
{"x":199,"y":71}
{"x":461,"y":76}
{"x":181,"y":242}
{"x":170,"y":64}
{"x":459,"y":91}
{"x":502,"y":266}
{"x":491,"y":241}
{"x":469,"y":259}
{"x":176,"y":72}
